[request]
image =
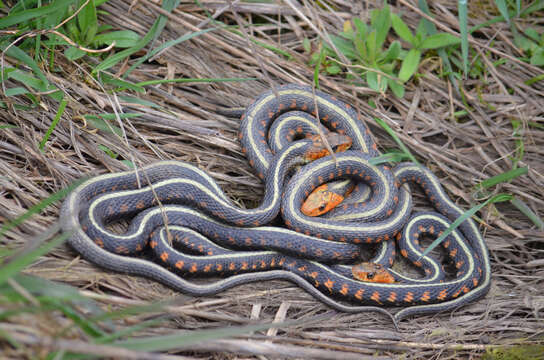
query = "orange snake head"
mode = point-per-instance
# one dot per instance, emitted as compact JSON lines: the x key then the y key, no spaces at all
{"x":371,"y":272}
{"x":320,"y":201}
{"x":338,"y":143}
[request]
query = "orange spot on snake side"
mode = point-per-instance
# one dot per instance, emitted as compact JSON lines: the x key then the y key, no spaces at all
{"x":376,"y":297}
{"x":392,"y":296}
{"x":179,"y":264}
{"x":426,"y":296}
{"x":359,"y":294}
{"x":164,"y":256}
{"x":329,"y":283}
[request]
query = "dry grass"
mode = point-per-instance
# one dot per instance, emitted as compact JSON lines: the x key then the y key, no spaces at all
{"x":188,"y":128}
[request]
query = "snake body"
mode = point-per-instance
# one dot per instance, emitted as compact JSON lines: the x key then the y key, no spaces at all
{"x":305,"y":255}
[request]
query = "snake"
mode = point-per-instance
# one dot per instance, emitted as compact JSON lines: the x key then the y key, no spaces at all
{"x":315,"y":253}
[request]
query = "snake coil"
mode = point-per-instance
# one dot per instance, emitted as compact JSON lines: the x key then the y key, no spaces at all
{"x":314,"y":251}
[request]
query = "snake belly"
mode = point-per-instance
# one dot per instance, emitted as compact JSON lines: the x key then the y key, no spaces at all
{"x":308,"y":255}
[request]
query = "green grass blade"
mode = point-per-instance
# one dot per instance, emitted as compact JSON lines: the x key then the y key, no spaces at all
{"x":392,"y":157}
{"x":20,"y":262}
{"x":121,"y":84}
{"x":320,"y":60}
{"x":175,"y":341}
{"x":526,"y":210}
{"x":138,"y":101}
{"x":126,"y":331}
{"x":54,"y":123}
{"x":209,"y":80}
{"x":165,"y":46}
{"x":503,"y":178}
{"x":495,"y":199}
{"x":22,"y":56}
{"x":39,"y":207}
{"x":391,"y":133}
{"x":462,"y":8}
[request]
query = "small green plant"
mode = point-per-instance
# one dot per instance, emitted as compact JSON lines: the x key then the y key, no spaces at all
{"x":364,"y":45}
{"x":84,"y":30}
{"x":532,"y":44}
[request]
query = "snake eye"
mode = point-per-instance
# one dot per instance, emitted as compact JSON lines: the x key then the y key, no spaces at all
{"x":322,"y":207}
{"x":370,"y":276}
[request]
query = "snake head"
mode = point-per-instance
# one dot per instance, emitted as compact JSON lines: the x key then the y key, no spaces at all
{"x":371,"y":272}
{"x":338,"y":143}
{"x":321,"y":201}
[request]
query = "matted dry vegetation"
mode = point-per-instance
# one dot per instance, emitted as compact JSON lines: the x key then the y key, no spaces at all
{"x":462,"y":153}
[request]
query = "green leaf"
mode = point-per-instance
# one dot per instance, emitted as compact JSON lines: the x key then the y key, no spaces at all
{"x":533,"y":34}
{"x":398,"y":89}
{"x":87,"y":21}
{"x":503,"y":9}
{"x":372,"y":80}
{"x":346,"y":47}
{"x":524,"y":43}
{"x":538,"y":57}
{"x":371,"y":47}
{"x":360,"y":46}
{"x":73,"y":53}
{"x":421,"y":30}
{"x":409,"y":64}
{"x":382,"y":23}
{"x":123,"y":38}
{"x":15,"y":91}
{"x":402,"y":29}
{"x":115,"y":58}
{"x":439,"y":40}
{"x":361,"y":27}
{"x":333,"y":69}
{"x":392,"y":53}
